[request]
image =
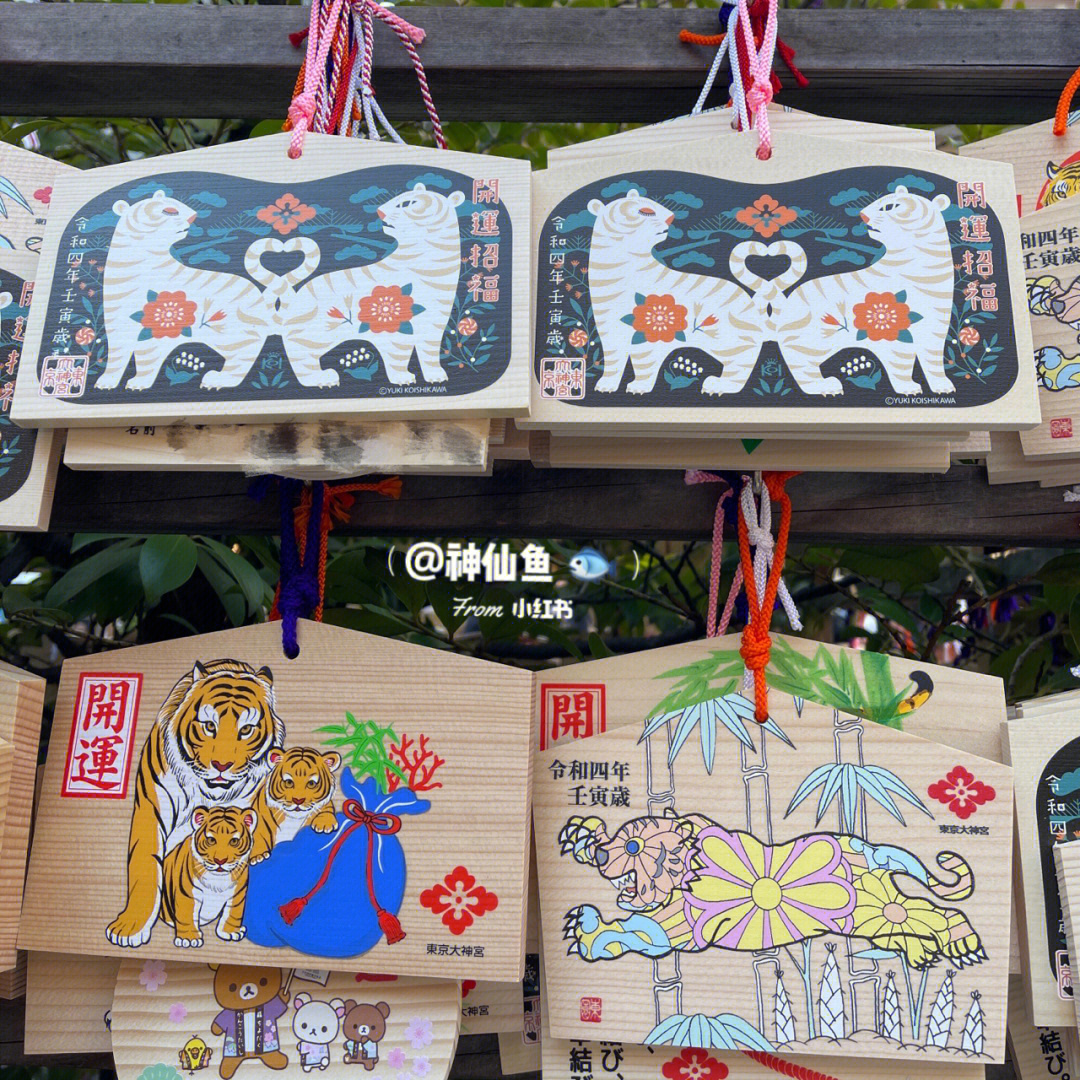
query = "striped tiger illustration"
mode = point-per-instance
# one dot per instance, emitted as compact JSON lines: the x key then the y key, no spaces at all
{"x":645,"y":310}
{"x":402,"y":303}
{"x":273,"y":311}
{"x":299,"y":791}
{"x":686,"y":884}
{"x":150,"y":299}
{"x":1062,"y":182}
{"x":901,"y":303}
{"x":205,"y":877}
{"x":210,"y":747}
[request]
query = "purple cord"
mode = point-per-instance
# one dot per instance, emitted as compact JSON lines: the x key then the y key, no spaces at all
{"x":298,"y":595}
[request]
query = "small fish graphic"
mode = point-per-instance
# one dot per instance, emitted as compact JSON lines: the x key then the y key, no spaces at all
{"x":589,"y":565}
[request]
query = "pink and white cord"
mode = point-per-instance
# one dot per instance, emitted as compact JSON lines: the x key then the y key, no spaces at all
{"x":760,"y":62}
{"x":329,"y":22}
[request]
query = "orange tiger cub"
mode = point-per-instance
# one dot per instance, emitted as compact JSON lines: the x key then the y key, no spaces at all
{"x":299,"y":791}
{"x":206,"y":875}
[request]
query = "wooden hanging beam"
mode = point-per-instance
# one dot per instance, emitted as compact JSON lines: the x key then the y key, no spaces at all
{"x":513,"y":64}
{"x":521,"y":501}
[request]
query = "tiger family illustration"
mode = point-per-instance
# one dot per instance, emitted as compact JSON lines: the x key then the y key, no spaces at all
{"x":403,"y":302}
{"x":215,"y":791}
{"x":685,"y":884}
{"x":644,"y":309}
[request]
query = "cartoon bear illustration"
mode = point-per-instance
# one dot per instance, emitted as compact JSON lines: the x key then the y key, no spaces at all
{"x":316,"y":1025}
{"x":252,"y":1001}
{"x":364,"y":1026}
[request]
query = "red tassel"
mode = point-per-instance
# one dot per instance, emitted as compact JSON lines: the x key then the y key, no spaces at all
{"x":297,"y":37}
{"x":390,"y":926}
{"x":290,"y":912}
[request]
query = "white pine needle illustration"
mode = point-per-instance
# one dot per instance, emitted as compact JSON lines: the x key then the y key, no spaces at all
{"x":831,"y":998}
{"x":941,"y":1015}
{"x":972,"y":1039}
{"x":785,"y":1022}
{"x":890,"y":1011}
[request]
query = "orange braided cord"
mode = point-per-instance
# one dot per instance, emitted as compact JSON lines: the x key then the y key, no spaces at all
{"x":688,"y":37}
{"x":756,"y":643}
{"x":1061,"y":116}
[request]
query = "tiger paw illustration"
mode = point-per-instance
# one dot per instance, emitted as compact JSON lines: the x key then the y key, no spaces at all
{"x":129,"y":930}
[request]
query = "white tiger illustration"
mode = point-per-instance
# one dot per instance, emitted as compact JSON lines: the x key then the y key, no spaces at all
{"x":150,"y":297}
{"x":644,"y":309}
{"x":273,"y":311}
{"x":899,"y":307}
{"x":405,"y":299}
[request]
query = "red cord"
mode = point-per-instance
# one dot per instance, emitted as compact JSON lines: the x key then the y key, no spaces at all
{"x":786,"y":1068}
{"x":1061,"y":116}
{"x":756,"y":642}
{"x":384,"y":825}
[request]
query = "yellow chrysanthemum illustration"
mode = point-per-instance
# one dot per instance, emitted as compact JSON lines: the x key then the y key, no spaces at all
{"x":747,"y":895}
{"x":904,"y":924}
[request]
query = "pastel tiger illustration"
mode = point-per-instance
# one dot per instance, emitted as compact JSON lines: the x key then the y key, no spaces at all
{"x":299,"y":791}
{"x":150,"y":299}
{"x":1047,"y":296}
{"x":205,"y":877}
{"x":1062,"y":182}
{"x":209,"y":746}
{"x":901,"y":303}
{"x":685,"y":884}
{"x":402,"y":303}
{"x":273,"y":311}
{"x":645,"y":310}
{"x":1055,"y":370}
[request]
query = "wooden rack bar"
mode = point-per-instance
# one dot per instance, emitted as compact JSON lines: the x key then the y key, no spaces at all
{"x":554,"y":64}
{"x":521,"y":501}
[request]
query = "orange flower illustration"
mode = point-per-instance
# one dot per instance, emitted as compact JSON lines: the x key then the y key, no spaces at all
{"x":882,"y":316}
{"x":693,"y":1063}
{"x":386,"y":309}
{"x":286,"y":214}
{"x":766,"y":217}
{"x":659,"y":318}
{"x":467,"y":327}
{"x":84,"y":335}
{"x":459,"y":900}
{"x":578,"y":338}
{"x":168,"y":315}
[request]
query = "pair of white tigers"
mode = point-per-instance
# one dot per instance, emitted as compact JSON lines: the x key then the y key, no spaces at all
{"x":215,"y":793}
{"x":810,"y":325}
{"x":235,"y":316}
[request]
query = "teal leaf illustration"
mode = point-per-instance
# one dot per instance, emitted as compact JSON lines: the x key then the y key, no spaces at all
{"x":861,"y":335}
{"x":137,"y":316}
{"x":406,"y":328}
{"x":639,"y":298}
{"x":145,"y":335}
{"x":914,"y":316}
{"x":151,"y":295}
{"x":680,"y":336}
{"x":406,"y":290}
{"x":637,"y":339}
{"x":901,"y":296}
{"x":417,"y":308}
{"x":628,"y":319}
{"x":905,"y":336}
{"x":186,"y":331}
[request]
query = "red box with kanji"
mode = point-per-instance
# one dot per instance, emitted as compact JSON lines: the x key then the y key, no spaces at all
{"x":102,"y":736}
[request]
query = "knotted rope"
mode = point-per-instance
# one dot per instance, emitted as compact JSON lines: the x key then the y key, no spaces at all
{"x":786,"y":1068}
{"x":324,"y":99}
{"x":759,"y":67}
{"x":307,"y":516}
{"x":715,"y":627}
{"x":376,"y":824}
{"x":762,"y":579}
{"x":1061,"y":114}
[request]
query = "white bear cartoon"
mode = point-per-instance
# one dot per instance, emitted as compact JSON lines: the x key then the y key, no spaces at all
{"x":316,"y":1025}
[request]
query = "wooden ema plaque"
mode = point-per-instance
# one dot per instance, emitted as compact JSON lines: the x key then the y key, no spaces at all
{"x":1046,"y":166}
{"x":171,"y":1019}
{"x":233,"y":284}
{"x":326,"y":450}
{"x":1038,"y":1053}
{"x":866,"y":820}
{"x":1067,"y":869}
{"x":716,"y":123}
{"x":28,"y":458}
{"x":817,"y":290}
{"x":26,"y":183}
{"x":1044,"y":749}
{"x":209,"y":799}
{"x":69,"y":1003}
{"x":22,"y":697}
{"x":1051,"y":257}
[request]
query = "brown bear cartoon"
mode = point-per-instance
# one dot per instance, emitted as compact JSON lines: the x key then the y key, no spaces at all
{"x":363,"y":1027}
{"x":252,"y":1002}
